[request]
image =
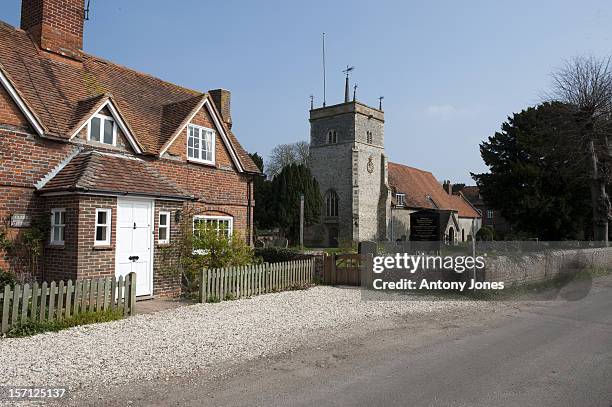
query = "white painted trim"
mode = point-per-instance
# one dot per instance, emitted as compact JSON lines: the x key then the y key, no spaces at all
{"x":214,"y":141}
{"x":102,"y":119}
{"x":118,"y":121}
{"x":109,"y":226}
{"x":21,"y":104}
{"x":216,"y":217}
{"x":219,"y":127}
{"x":167,"y":226}
{"x":53,"y":242}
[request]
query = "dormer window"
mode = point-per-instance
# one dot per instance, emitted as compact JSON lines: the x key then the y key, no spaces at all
{"x":200,"y":144}
{"x":400,"y":199}
{"x":332,"y":137}
{"x":102,"y":129}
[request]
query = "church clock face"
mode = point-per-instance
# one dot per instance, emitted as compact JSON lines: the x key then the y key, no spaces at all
{"x":370,"y":166}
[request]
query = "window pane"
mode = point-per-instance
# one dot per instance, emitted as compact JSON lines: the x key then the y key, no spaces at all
{"x":102,"y":218}
{"x":108,"y":131}
{"x":95,"y":129}
{"x":62,"y":217}
{"x":57,"y":218}
{"x":163,"y":233}
{"x":163,"y":219}
{"x":101,"y":233}
{"x":56,"y":234}
{"x":61,"y":233}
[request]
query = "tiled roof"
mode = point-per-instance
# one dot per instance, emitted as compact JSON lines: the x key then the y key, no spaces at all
{"x":62,"y":93}
{"x":422,"y":190}
{"x":93,"y":171}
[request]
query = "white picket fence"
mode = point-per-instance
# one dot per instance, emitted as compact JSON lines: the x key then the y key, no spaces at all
{"x":59,"y":300}
{"x":239,"y":282}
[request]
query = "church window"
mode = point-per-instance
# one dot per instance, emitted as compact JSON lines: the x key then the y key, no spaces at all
{"x":399,"y":199}
{"x":332,"y":137}
{"x":490,"y":213}
{"x":369,"y":137}
{"x":331,"y":203}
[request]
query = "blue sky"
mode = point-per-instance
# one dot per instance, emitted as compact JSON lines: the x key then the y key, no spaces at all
{"x":450,"y":71}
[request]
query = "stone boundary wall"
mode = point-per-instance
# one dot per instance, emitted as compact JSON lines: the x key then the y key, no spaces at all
{"x":544,"y":266}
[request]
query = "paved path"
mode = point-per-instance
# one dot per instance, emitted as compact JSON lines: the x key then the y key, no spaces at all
{"x":537,"y":355}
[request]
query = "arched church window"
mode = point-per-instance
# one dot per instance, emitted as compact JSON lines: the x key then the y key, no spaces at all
{"x":332,"y":137}
{"x":331,"y":203}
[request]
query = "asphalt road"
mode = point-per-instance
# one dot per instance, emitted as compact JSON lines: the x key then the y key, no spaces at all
{"x":536,"y":354}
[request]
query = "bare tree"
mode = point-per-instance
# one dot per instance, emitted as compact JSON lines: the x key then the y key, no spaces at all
{"x":584,"y":84}
{"x":286,"y":154}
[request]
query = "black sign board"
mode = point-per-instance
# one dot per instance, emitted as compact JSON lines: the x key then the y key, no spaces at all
{"x":425,"y":226}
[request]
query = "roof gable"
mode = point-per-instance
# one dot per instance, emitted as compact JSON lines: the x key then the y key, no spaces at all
{"x":219,"y":127}
{"x":87,"y":109}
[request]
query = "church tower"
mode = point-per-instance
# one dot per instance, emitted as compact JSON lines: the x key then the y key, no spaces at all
{"x":347,"y":158}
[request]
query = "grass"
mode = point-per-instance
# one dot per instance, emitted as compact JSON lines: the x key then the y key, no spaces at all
{"x":30,"y":327}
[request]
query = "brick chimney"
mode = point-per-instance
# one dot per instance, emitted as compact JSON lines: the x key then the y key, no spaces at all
{"x":222,"y":99}
{"x":448,"y":187}
{"x":55,"y":25}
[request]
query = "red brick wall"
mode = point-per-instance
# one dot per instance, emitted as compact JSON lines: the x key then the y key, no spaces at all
{"x":61,"y":262}
{"x":166,"y":281}
{"x":10,"y":113}
{"x":95,"y":261}
{"x":56,"y":25}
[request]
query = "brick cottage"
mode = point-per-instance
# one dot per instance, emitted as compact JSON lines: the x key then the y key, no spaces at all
{"x":113,"y":157}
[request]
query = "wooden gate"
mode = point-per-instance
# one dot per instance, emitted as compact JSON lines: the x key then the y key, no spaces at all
{"x":343,"y":269}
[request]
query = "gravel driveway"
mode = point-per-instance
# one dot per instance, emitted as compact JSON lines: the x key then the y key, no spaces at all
{"x":201,"y":336}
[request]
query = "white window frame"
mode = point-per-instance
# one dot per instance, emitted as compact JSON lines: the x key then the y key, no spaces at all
{"x":102,"y":118}
{"x":60,"y":226}
{"x":107,"y":240}
{"x":214,"y":217}
{"x":161,"y":226}
{"x":202,"y":131}
{"x":400,"y":199}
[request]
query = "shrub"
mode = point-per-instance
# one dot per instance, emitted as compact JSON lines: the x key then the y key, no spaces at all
{"x":6,"y":277}
{"x":279,"y":254}
{"x":30,"y":327}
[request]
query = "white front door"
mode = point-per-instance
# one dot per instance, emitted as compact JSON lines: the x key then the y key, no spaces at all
{"x":134,"y":237}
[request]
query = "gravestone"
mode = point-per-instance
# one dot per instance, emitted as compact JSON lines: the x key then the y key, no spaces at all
{"x":367,"y":247}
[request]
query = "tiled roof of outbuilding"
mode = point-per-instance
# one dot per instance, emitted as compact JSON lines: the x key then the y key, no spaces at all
{"x":422,"y":190}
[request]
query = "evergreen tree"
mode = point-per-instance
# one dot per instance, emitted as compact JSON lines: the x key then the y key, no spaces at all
{"x":286,"y":189}
{"x":536,"y":179}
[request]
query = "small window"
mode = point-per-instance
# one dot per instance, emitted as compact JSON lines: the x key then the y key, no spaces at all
{"x":332,"y":137}
{"x":103,"y":227}
{"x":369,"y":137}
{"x":400,"y":199}
{"x":200,"y":144}
{"x":490,"y":213}
{"x":223,"y":225}
{"x":103,"y":129}
{"x":58,"y":226}
{"x":331,"y":204}
{"x":164,"y":227}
